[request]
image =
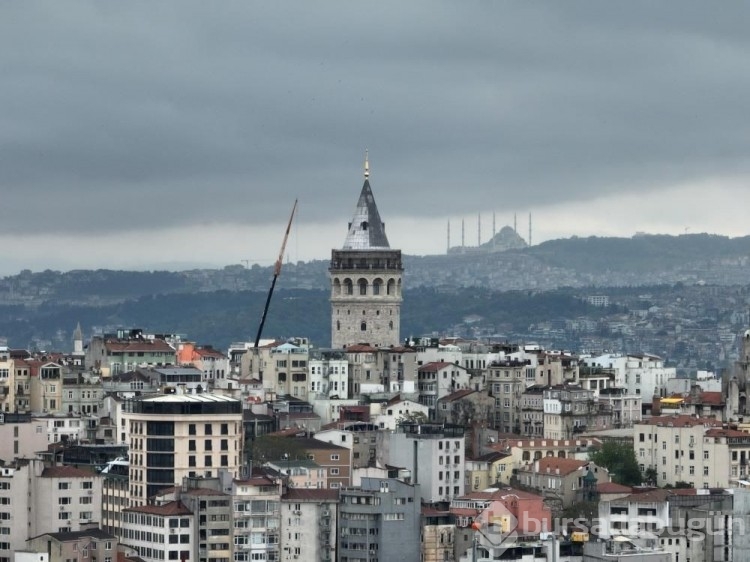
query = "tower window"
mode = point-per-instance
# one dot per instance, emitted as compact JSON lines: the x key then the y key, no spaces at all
{"x":363,"y":326}
{"x":338,"y":325}
{"x":348,"y":287}
{"x":390,"y":324}
{"x":377,"y":286}
{"x":362,"y":286}
{"x":364,"y":225}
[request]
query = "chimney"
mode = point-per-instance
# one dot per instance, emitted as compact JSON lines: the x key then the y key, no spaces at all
{"x":656,"y":403}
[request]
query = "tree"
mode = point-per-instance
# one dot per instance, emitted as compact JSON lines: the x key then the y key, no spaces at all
{"x":272,"y":448}
{"x":650,"y":476}
{"x":620,"y":460}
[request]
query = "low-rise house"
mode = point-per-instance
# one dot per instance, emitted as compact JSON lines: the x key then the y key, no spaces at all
{"x":488,"y":470}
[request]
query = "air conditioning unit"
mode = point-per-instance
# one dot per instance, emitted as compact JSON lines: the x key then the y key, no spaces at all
{"x":326,"y":513}
{"x":173,"y":531}
{"x":62,"y":508}
{"x":298,"y":513}
{"x":90,"y":492}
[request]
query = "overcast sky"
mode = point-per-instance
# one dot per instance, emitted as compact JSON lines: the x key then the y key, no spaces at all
{"x":170,"y":134}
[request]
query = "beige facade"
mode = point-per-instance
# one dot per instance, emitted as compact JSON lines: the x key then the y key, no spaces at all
{"x":7,"y":382}
{"x":89,"y":544}
{"x":173,"y":436}
{"x":698,"y":451}
{"x":308,"y":525}
{"x":21,"y":437}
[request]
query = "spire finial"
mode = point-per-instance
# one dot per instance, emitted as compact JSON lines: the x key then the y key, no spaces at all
{"x":367,"y":164}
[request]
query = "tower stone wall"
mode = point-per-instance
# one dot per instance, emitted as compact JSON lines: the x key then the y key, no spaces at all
{"x":366,"y":279}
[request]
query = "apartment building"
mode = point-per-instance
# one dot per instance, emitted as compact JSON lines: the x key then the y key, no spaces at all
{"x":563,"y":482}
{"x":329,"y":374}
{"x":436,"y":380}
{"x":88,"y":544}
{"x":159,"y":532}
{"x":570,"y":409}
{"x":128,"y":350}
{"x":507,"y":380}
{"x":173,"y":436}
{"x":379,"y":521}
{"x":433,"y":453}
{"x":7,"y":381}
{"x":699,"y":451}
{"x":256,"y":506}
{"x":308,"y":525}
{"x":21,"y":436}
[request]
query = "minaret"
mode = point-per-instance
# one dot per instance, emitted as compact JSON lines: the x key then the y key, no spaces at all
{"x":78,"y":340}
{"x":366,"y":280}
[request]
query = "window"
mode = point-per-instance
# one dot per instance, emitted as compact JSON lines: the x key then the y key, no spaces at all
{"x":334,"y":472}
{"x":334,"y":457}
{"x":191,"y":429}
{"x":705,"y":471}
{"x":225,"y":429}
{"x":209,"y":429}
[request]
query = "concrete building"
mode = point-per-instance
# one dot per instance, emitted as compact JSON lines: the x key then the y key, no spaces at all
{"x":380,"y":520}
{"x":388,"y":415}
{"x":570,"y":410}
{"x":173,"y":436}
{"x":308,"y":525}
{"x":329,"y":374}
{"x":160,"y":532}
{"x":88,"y":544}
{"x":334,"y":459}
{"x":433,"y":453}
{"x":21,"y":436}
{"x":366,"y":280}
{"x":436,"y":380}
{"x":562,"y":482}
{"x":36,"y":499}
{"x":127,"y":350}
{"x":464,"y":406}
{"x":698,"y":451}
{"x":256,"y":515}
{"x":7,"y":381}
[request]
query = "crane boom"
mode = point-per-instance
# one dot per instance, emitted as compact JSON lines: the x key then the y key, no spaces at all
{"x":276,"y":273}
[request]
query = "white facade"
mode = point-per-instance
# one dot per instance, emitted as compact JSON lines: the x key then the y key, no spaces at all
{"x":159,"y":533}
{"x":63,"y":428}
{"x":308,"y":526}
{"x":639,"y":374}
{"x":328,"y":377}
{"x":440,"y":461}
{"x":387,"y":416}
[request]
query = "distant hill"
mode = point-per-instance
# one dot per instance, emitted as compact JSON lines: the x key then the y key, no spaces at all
{"x":224,"y":304}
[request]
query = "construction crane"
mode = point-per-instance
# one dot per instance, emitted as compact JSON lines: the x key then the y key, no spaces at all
{"x":276,"y":273}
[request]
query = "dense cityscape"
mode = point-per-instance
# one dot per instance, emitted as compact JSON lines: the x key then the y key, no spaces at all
{"x":142,"y":446}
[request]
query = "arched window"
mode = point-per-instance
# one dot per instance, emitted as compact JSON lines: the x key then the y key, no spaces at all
{"x":338,"y":325}
{"x":336,"y":287}
{"x":377,"y":286}
{"x":391,"y":287}
{"x":362,"y":283}
{"x":363,"y":326}
{"x":525,"y":456}
{"x":348,"y":287}
{"x":398,"y":289}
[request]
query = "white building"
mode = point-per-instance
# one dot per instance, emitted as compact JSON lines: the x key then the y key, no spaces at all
{"x":387,"y":415}
{"x":308,"y":525}
{"x":642,"y":374}
{"x":434,"y":455}
{"x":159,"y":532}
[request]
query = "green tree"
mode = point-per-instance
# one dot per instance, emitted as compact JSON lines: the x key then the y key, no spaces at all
{"x":620,"y":460}
{"x":272,"y":448}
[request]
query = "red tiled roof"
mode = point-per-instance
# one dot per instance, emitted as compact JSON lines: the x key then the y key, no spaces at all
{"x":721,"y":432}
{"x":434,"y":367}
{"x":708,"y":398}
{"x":171,"y":508}
{"x":66,"y":472}
{"x":456,"y":395}
{"x":150,"y":346}
{"x":613,"y":488}
{"x":551,"y":465}
{"x":361,"y":348}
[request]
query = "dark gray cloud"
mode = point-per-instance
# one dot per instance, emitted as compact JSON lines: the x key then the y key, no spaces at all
{"x":137,"y":115}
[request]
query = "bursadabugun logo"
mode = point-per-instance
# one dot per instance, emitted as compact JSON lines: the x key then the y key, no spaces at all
{"x":496,"y":527}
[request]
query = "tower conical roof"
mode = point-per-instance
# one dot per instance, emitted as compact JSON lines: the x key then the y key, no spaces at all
{"x":366,"y":231}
